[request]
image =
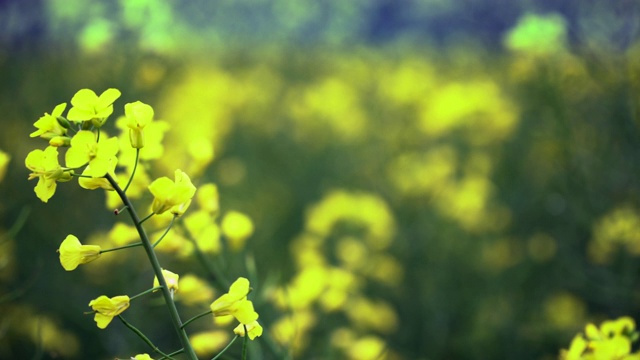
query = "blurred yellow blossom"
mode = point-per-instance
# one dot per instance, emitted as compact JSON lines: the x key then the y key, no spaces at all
{"x":208,"y":342}
{"x":142,"y":357}
{"x":107,"y":308}
{"x":171,"y":279}
{"x":367,"y":348}
{"x":208,"y":198}
{"x":194,"y":291}
{"x":73,"y":253}
{"x":4,"y":163}
{"x":237,"y":227}
{"x":537,"y":34}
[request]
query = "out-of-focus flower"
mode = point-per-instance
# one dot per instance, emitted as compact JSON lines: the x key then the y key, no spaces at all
{"x":142,"y":357}
{"x":73,"y":253}
{"x":194,"y":290}
{"x":171,"y":279}
{"x":107,"y":308}
{"x":237,"y":227}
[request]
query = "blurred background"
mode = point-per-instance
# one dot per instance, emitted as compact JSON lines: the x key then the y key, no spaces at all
{"x":419,"y":179}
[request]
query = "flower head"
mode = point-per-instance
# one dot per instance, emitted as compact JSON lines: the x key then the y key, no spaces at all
{"x":107,"y":308}
{"x":138,"y":116}
{"x":171,"y":279}
{"x":49,"y":126}
{"x":44,"y":166}
{"x":235,"y":303}
{"x":73,"y":253}
{"x":88,"y":106}
{"x":92,"y":183}
{"x":85,"y":149}
{"x":254,"y":329}
{"x":172,"y":195}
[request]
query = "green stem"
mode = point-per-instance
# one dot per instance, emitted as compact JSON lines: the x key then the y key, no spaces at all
{"x":121,"y":247}
{"x":133,"y":172}
{"x":143,"y":337}
{"x":145,"y":219}
{"x":153,"y":259}
{"x":225,"y":348}
{"x":196,"y":318}
{"x":173,"y":353}
{"x":145,"y":292}
{"x":244,"y":343}
{"x":166,"y":231}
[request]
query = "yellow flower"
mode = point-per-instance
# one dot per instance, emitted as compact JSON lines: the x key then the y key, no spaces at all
{"x":48,"y":125}
{"x":142,"y":357}
{"x":171,"y":279}
{"x":44,"y":166}
{"x":4,"y":162}
{"x":138,"y":116}
{"x":235,"y":303}
{"x":88,"y":106}
{"x":254,"y":329}
{"x":169,"y":195}
{"x":237,"y":227}
{"x":107,"y":308}
{"x":73,"y":253}
{"x":85,"y":149}
{"x":92,"y":183}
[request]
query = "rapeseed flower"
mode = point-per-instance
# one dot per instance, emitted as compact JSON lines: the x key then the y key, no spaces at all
{"x":44,"y":166}
{"x":86,"y":150}
{"x":142,"y":357}
{"x":254,"y":329}
{"x":107,"y":308}
{"x":235,"y":303}
{"x":171,"y":279}
{"x":48,"y":125}
{"x":73,"y":253}
{"x":172,"y":195}
{"x":138,"y":115}
{"x":88,"y":106}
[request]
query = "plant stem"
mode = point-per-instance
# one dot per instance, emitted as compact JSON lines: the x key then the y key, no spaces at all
{"x":121,"y":247}
{"x":225,"y":348}
{"x":244,"y":343}
{"x":133,"y":172}
{"x":143,"y":337}
{"x":173,"y":219}
{"x":196,"y":318}
{"x":153,"y":259}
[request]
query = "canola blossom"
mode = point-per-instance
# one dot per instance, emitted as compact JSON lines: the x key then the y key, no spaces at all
{"x":107,"y":308}
{"x":172,"y":195}
{"x":171,"y":279}
{"x":73,"y":253}
{"x":48,"y":125}
{"x":138,"y":115}
{"x":45,"y":167}
{"x":85,"y":149}
{"x":89,"y":106}
{"x":235,"y":303}
{"x":254,"y":330}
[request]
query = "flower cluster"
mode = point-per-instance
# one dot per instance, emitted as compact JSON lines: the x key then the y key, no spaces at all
{"x":235,"y":303}
{"x":612,"y":340}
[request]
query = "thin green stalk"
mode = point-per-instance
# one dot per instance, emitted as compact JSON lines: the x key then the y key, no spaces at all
{"x":121,"y":247}
{"x":133,"y":172}
{"x":173,"y":219}
{"x":196,"y":318}
{"x":153,"y":259}
{"x":145,"y":219}
{"x":225,"y":348}
{"x":143,"y":337}
{"x":244,"y":343}
{"x":145,"y":292}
